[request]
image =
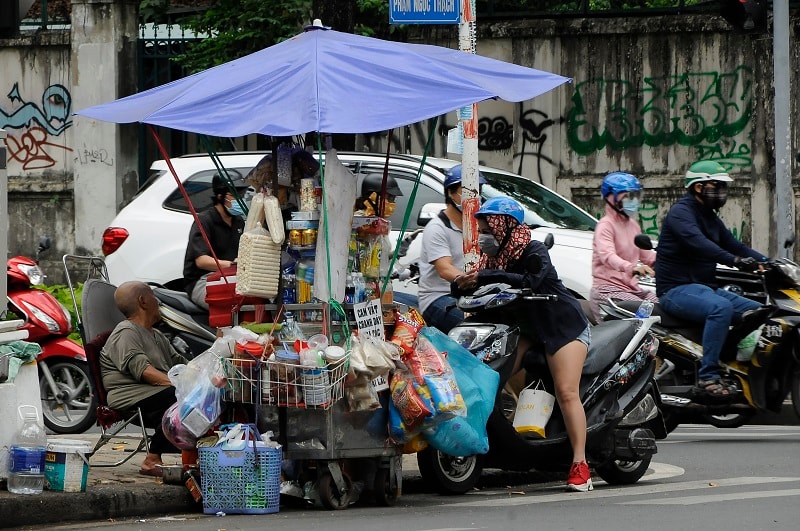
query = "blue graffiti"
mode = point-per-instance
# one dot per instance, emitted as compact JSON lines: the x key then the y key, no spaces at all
{"x":53,"y":116}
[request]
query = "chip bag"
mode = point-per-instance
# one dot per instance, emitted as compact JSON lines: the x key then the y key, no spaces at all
{"x":406,"y":329}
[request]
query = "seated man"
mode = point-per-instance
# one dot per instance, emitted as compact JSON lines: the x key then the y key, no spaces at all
{"x":223,"y":224}
{"x":134,"y":365}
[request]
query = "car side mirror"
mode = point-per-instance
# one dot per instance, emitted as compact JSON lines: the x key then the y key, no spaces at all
{"x":642,"y":241}
{"x":549,"y":240}
{"x":428,"y":212}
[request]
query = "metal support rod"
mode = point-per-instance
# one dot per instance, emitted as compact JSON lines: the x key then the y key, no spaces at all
{"x":784,"y":195}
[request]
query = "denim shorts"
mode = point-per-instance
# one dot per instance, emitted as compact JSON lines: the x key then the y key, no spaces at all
{"x":586,"y":336}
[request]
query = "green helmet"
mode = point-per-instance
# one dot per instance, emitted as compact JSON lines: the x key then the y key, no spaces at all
{"x":706,"y":170}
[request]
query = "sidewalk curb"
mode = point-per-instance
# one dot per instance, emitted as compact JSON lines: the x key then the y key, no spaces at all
{"x":97,"y":503}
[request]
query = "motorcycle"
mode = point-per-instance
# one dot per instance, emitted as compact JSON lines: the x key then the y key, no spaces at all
{"x":68,"y":403}
{"x":617,"y":389}
{"x":765,"y":378}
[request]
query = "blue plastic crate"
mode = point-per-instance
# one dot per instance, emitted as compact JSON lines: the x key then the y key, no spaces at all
{"x":244,"y":481}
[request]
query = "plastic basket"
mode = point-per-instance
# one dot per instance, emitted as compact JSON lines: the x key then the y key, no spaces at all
{"x":246,"y":481}
{"x":286,"y":384}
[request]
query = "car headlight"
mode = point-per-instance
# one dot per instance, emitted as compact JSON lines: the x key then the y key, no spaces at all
{"x":470,"y":337}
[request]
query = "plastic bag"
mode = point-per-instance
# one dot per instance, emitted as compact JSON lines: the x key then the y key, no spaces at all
{"x":360,"y":394}
{"x":746,"y":347}
{"x":534,"y":408}
{"x":478,"y":385}
{"x":175,"y":431}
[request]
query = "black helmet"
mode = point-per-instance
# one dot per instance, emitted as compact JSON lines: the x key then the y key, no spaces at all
{"x":373,"y":181}
{"x":218,"y":185}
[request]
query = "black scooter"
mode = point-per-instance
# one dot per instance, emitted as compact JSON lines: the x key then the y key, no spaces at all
{"x":766,"y":378}
{"x":617,"y":388}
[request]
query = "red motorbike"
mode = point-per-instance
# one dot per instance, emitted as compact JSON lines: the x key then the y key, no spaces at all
{"x":68,"y":403}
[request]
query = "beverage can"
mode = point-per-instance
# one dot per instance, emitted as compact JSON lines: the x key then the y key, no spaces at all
{"x":296,"y":237}
{"x":309,"y":236}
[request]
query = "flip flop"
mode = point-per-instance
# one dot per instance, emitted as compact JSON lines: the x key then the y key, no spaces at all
{"x":155,"y":472}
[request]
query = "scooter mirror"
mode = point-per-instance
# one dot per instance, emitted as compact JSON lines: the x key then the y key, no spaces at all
{"x":642,"y":241}
{"x":428,"y":212}
{"x":549,"y":241}
{"x":44,"y":243}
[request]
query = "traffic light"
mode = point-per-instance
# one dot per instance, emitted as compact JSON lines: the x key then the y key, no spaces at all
{"x":745,"y":15}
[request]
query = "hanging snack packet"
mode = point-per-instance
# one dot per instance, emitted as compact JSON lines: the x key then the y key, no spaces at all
{"x":406,"y":329}
{"x":413,"y":410}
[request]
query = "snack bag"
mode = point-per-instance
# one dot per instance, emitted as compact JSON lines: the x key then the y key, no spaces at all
{"x":445,"y":394}
{"x":412,"y":408}
{"x":406,"y":330}
{"x":425,"y":360}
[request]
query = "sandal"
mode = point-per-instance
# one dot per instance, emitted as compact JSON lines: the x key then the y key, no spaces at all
{"x":713,"y":388}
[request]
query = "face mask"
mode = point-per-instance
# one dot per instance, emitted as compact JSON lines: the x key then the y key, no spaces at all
{"x":456,"y":204}
{"x":488,"y":244}
{"x":235,"y":209}
{"x":714,"y":198}
{"x":630,"y":206}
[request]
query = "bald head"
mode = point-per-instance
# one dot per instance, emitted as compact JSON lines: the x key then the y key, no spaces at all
{"x":129,"y":296}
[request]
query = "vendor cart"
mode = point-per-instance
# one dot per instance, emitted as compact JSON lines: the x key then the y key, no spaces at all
{"x":306,"y":410}
{"x":323,"y":81}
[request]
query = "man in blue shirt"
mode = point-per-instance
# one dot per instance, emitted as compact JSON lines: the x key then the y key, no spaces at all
{"x":692,"y":242}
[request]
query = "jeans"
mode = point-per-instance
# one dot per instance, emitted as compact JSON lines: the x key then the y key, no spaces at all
{"x":716,"y":308}
{"x":438,"y":315}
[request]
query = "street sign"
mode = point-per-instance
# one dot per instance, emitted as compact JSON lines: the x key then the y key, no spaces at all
{"x":424,"y":11}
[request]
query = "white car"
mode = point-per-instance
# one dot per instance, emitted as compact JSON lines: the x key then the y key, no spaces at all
{"x":147,"y":239}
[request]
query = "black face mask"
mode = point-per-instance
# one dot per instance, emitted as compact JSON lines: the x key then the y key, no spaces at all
{"x":714,"y":197}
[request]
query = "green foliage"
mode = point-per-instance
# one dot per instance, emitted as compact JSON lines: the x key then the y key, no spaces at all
{"x":241,"y":27}
{"x":61,"y":293}
{"x":153,"y":10}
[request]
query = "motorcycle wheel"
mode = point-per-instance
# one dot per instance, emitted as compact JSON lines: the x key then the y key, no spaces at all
{"x":734,"y":420}
{"x":619,"y":472}
{"x":448,"y":474}
{"x":76,"y":412}
{"x":796,"y":391}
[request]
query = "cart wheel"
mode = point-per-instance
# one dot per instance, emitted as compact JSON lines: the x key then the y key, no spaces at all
{"x":385,"y":490}
{"x":329,"y":493}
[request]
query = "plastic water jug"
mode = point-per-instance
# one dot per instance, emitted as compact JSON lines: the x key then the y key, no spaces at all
{"x":26,"y":463}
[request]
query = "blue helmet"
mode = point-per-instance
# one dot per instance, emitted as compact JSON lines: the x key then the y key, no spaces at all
{"x":502,"y":206}
{"x":617,"y":182}
{"x":453,"y":176}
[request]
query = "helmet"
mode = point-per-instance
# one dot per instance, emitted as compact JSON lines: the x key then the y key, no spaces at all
{"x":504,"y":206}
{"x":453,"y":176}
{"x":617,"y":182}
{"x":218,"y":185}
{"x":706,"y":170}
{"x":373,"y":181}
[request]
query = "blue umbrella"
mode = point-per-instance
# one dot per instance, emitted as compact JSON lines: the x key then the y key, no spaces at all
{"x":327,"y":81}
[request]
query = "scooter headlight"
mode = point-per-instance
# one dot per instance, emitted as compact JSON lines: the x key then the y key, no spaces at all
{"x":791,"y":270}
{"x":48,"y":321}
{"x":35,"y":275}
{"x":470,"y":337}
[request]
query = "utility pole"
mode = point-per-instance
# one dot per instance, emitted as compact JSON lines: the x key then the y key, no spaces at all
{"x":468,"y":119}
{"x":784,"y":211}
{"x":3,"y":215}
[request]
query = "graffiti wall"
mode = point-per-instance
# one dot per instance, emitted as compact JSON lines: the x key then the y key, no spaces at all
{"x":36,"y":110}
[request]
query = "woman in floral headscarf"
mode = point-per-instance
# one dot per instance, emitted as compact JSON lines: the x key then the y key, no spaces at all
{"x":512,"y":257}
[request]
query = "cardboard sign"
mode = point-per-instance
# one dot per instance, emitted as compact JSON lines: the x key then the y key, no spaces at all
{"x":369,"y":318}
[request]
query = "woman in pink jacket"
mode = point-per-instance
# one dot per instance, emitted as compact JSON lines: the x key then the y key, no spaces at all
{"x":616,"y":261}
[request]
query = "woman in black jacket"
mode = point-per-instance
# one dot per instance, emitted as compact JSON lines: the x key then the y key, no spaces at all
{"x":511,"y":256}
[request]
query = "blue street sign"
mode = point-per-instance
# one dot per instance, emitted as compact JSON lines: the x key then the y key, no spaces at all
{"x":424,"y":11}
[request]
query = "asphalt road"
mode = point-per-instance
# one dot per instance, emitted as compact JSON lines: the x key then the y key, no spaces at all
{"x":702,"y":477}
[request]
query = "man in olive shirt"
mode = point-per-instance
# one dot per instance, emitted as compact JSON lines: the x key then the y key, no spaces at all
{"x":134,"y":365}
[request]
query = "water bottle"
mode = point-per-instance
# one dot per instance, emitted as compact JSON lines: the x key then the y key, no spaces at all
{"x":645,"y":310}
{"x":26,"y":463}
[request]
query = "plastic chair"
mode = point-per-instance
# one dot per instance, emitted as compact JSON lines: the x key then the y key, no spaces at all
{"x":112,"y":421}
{"x":97,"y":315}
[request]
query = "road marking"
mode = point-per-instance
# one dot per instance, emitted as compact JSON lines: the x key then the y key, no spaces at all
{"x":640,"y":489}
{"x":710,"y":498}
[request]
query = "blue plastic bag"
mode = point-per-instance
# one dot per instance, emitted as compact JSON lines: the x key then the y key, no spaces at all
{"x":478,"y":386}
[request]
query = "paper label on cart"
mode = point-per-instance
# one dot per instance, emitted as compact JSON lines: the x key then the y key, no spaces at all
{"x":380,"y":383}
{"x":369,"y":319}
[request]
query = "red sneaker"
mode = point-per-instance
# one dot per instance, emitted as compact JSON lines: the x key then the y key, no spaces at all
{"x":580,"y":479}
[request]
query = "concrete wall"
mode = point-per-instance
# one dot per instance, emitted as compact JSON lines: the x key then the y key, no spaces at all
{"x":650,"y":96}
{"x":36,"y":112}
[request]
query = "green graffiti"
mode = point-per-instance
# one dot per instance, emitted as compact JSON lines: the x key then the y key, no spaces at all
{"x":688,"y":109}
{"x":729,"y":153}
{"x":738,"y":233}
{"x":648,"y":218}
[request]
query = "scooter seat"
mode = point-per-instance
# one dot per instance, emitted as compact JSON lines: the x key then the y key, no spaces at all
{"x":178,"y":300}
{"x":609,"y":339}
